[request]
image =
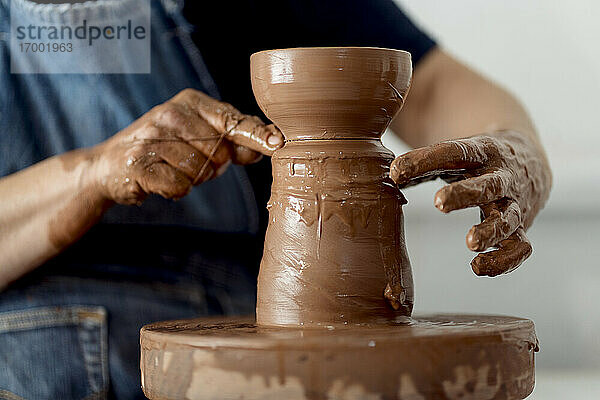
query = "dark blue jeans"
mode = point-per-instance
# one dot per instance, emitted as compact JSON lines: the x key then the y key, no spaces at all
{"x":70,"y":330}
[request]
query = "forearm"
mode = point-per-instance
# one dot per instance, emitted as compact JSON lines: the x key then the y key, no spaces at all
{"x":449,"y":101}
{"x":45,"y":208}
{"x":183,"y":142}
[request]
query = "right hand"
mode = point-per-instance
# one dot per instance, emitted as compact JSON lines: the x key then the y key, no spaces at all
{"x":186,"y":141}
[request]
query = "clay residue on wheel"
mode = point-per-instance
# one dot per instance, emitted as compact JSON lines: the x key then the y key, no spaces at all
{"x":441,"y":357}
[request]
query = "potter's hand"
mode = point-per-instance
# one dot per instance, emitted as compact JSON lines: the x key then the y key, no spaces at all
{"x":503,"y":173}
{"x":183,"y":142}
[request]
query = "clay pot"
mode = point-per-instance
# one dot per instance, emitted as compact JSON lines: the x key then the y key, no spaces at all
{"x":335,"y":240}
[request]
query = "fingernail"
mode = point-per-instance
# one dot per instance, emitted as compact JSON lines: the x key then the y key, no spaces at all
{"x":472,"y":242}
{"x":438,"y":203}
{"x":274,"y":140}
{"x":394,"y":172}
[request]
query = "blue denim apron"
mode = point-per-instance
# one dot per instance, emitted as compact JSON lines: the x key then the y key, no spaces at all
{"x":45,"y":115}
{"x":74,"y":336}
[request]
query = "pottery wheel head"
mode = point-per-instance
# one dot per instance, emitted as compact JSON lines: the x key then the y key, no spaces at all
{"x":331,"y":92}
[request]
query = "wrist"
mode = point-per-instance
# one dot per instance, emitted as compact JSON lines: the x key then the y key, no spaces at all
{"x":89,"y":179}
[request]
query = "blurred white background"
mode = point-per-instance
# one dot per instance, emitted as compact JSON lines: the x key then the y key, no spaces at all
{"x":547,"y":53}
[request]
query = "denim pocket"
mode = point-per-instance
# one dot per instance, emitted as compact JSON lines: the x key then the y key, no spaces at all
{"x":54,"y":353}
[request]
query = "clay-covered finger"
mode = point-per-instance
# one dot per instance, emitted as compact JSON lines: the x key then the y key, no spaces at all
{"x":242,"y":155}
{"x":436,"y":160}
{"x":207,"y":172}
{"x":185,"y":124}
{"x":510,"y":254}
{"x":502,"y":219}
{"x":181,"y":156}
{"x":471,"y":192}
{"x":241,"y":129}
{"x":162,"y":179}
{"x":252,"y":133}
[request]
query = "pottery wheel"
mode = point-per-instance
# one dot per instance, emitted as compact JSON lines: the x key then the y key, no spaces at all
{"x":425,"y":357}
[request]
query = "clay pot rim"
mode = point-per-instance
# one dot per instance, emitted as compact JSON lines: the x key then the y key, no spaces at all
{"x":290,"y":49}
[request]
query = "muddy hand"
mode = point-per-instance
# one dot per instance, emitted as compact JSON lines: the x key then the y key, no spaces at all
{"x":183,"y":142}
{"x":503,"y":173}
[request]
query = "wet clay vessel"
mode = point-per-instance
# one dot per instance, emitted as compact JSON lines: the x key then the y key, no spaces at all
{"x":335,"y":289}
{"x":335,"y":241}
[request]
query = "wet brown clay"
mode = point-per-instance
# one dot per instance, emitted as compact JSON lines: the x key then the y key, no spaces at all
{"x":335,"y":242}
{"x":432,"y":357}
{"x":334,"y":253}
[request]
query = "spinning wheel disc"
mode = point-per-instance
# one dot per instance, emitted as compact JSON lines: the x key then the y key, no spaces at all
{"x":424,"y":357}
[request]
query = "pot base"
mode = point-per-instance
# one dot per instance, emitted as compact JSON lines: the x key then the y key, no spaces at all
{"x":424,"y":357}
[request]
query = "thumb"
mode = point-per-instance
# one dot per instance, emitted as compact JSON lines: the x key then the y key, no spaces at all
{"x":241,"y":129}
{"x":252,"y":133}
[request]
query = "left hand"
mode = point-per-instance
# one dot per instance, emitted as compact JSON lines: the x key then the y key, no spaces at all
{"x":183,"y":142}
{"x":504,"y":173}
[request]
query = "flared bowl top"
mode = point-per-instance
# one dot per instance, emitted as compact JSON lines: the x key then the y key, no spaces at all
{"x":331,"y":92}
